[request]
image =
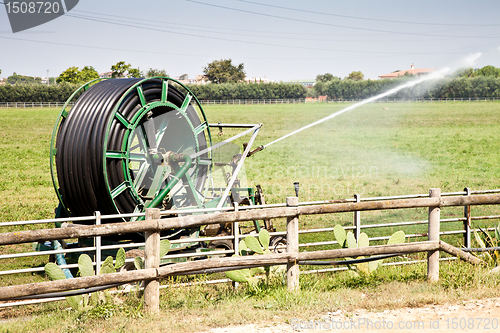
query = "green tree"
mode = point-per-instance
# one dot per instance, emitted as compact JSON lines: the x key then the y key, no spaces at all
{"x":356,"y":75}
{"x":469,"y":72}
{"x":152,"y":72}
{"x":183,"y":77}
{"x":120,"y":69}
{"x":488,"y":71}
{"x":70,"y":75}
{"x":321,"y":82}
{"x":223,"y":71}
{"x":23,"y":79}
{"x":134,"y":72}
{"x":75,"y":75}
{"x":326,"y":77}
{"x":88,"y":73}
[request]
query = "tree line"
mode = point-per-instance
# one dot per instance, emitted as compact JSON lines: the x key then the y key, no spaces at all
{"x":36,"y":92}
{"x":225,"y":91}
{"x":227,"y":83}
{"x":457,"y":87}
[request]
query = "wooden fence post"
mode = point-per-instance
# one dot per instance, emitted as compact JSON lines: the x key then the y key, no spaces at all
{"x":433,"y":235}
{"x":152,"y":260}
{"x":292,"y":245}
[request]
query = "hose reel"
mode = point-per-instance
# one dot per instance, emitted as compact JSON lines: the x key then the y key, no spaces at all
{"x":126,"y":144}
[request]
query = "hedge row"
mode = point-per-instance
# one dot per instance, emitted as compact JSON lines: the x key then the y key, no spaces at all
{"x":460,"y":87}
{"x":61,"y":92}
{"x":248,"y":91}
{"x":36,"y":92}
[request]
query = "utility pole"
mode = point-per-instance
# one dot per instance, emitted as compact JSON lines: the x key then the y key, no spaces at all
{"x":48,"y":80}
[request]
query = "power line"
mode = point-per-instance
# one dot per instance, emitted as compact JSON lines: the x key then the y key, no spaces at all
{"x":178,"y":54}
{"x":175,"y":24}
{"x":216,"y":38}
{"x":334,"y":25}
{"x":367,"y":18}
{"x":204,"y":29}
{"x":249,"y":42}
{"x":96,"y":47}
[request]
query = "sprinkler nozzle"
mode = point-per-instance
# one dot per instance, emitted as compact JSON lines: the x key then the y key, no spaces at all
{"x":256,"y":150}
{"x":296,"y":185}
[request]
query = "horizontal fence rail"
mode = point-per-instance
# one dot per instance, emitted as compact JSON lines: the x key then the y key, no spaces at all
{"x":183,"y":222}
{"x":274,"y":101}
{"x":24,"y":105}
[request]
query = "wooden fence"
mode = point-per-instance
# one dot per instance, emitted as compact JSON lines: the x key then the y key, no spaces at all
{"x":292,"y":258}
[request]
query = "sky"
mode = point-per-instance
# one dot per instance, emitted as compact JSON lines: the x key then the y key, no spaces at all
{"x":279,"y":40}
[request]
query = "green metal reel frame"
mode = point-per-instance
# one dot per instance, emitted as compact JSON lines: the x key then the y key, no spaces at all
{"x":125,"y":154}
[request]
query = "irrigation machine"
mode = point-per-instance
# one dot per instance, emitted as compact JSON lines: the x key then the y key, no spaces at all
{"x":120,"y":146}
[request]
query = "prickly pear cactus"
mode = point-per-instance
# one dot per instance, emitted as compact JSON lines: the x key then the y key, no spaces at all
{"x":363,"y":240}
{"x":340,"y":235}
{"x":85,"y":265}
{"x":138,"y":263}
{"x":348,"y":240}
{"x":258,"y":245}
{"x":264,"y":238}
{"x":164,"y":247}
{"x":241,"y":275}
{"x":54,"y":272}
{"x":253,"y":244}
{"x":396,"y":238}
{"x":351,"y":241}
{"x":86,"y":268}
{"x":120,"y":258}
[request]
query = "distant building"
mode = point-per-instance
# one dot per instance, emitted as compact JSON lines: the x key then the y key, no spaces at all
{"x":258,"y":80}
{"x":186,"y":80}
{"x":105,"y":75}
{"x":411,"y":71}
{"x":201,"y":79}
{"x":305,"y":83}
{"x":314,"y":99}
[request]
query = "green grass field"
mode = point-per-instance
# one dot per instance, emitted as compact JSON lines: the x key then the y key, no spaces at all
{"x":375,"y":150}
{"x":405,"y":149}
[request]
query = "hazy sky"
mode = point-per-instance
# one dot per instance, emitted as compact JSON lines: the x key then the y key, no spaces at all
{"x":277,"y":39}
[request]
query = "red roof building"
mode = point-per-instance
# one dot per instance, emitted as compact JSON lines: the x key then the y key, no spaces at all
{"x":412,"y":71}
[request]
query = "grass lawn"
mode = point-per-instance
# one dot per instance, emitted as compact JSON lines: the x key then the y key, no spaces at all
{"x":375,"y":150}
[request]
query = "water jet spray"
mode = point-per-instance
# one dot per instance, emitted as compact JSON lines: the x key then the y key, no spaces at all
{"x":439,"y":74}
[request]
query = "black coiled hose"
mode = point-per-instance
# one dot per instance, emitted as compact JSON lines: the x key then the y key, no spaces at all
{"x":83,"y":182}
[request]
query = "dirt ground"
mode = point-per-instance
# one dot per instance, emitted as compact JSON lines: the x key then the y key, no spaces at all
{"x":470,"y":316}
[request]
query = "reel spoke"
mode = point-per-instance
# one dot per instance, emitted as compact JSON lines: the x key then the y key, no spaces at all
{"x":149,"y":127}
